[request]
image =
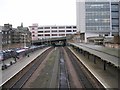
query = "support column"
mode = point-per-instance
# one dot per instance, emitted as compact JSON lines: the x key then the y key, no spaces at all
{"x":84,"y":53}
{"x":105,"y":64}
{"x":77,"y":49}
{"x":80,"y":51}
{"x":88,"y":55}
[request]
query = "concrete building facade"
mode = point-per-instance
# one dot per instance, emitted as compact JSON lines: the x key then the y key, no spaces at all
{"x":97,"y":18}
{"x":14,"y":37}
{"x":6,"y":34}
{"x":44,"y":32}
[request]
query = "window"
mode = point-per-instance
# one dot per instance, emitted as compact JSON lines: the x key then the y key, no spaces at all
{"x":68,"y":31}
{"x":54,"y":30}
{"x":40,"y":31}
{"x":47,"y":34}
{"x":115,"y":25}
{"x":74,"y":26}
{"x":33,"y":32}
{"x":61,"y":27}
{"x":115,"y":7}
{"x":115,"y":15}
{"x":40,"y":27}
{"x":95,"y":28}
{"x":106,"y":34}
{"x":115,"y":21}
{"x":54,"y":27}
{"x":61,"y":34}
{"x":97,"y":6}
{"x":47,"y":27}
{"x":40,"y":34}
{"x":47,"y":31}
{"x":112,"y":34}
{"x":115,"y":28}
{"x":61,"y":30}
{"x":68,"y":27}
{"x":54,"y":34}
{"x":33,"y":28}
{"x":74,"y":30}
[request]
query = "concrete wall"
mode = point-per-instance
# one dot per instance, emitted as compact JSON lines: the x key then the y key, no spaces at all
{"x":80,"y":7}
{"x":90,"y":35}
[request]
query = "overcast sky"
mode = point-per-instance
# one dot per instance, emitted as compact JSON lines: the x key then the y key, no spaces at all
{"x":43,"y":12}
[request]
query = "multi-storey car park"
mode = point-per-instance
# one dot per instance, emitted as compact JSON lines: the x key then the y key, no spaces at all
{"x":45,"y":32}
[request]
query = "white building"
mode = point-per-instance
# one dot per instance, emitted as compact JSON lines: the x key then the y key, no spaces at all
{"x":97,"y":18}
{"x":43,"y":32}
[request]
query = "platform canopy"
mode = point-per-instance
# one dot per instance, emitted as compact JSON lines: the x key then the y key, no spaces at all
{"x":108,"y":54}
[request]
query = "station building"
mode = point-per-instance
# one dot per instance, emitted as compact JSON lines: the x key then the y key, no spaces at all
{"x":54,"y":31}
{"x":98,"y":18}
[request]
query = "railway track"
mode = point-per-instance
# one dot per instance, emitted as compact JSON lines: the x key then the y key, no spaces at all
{"x":63,"y":74}
{"x":64,"y":79}
{"x":24,"y":78}
{"x":82,"y":72}
{"x":82,"y":77}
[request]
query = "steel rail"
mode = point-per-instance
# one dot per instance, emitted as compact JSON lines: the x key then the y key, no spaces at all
{"x":63,"y":74}
{"x":21,"y":82}
{"x":79,"y":70}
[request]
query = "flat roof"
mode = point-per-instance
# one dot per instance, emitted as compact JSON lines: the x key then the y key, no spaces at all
{"x":108,"y":54}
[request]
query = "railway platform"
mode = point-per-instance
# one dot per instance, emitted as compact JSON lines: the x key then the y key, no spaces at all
{"x":109,"y":78}
{"x":110,"y":55}
{"x":8,"y":73}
